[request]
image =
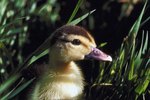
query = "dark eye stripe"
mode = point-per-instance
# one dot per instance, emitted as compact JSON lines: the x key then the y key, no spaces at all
{"x":64,"y":40}
{"x":53,"y":41}
{"x":74,"y":42}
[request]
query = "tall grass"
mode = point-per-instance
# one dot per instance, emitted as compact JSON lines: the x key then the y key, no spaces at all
{"x":14,"y":15}
{"x":127,"y":77}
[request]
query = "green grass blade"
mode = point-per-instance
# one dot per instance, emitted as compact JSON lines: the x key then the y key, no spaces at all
{"x":131,"y":70}
{"x":145,"y":21}
{"x":34,"y":58}
{"x":143,"y":48}
{"x":138,"y":59}
{"x":19,"y":89}
{"x":8,"y":83}
{"x":121,"y":61}
{"x":43,"y":48}
{"x":76,"y":21}
{"x":5,"y":97}
{"x":143,"y":84}
{"x":136,"y":26}
{"x":142,"y":87}
{"x":130,"y":44}
{"x":102,"y":44}
{"x":133,"y":32}
{"x":145,"y":43}
{"x":75,"y":11}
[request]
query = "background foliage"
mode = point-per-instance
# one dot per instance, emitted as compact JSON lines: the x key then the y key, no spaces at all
{"x":116,"y":24}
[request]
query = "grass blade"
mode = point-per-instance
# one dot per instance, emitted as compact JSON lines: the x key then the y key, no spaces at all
{"x":144,"y":83}
{"x":130,"y":41}
{"x":76,"y":21}
{"x":75,"y":11}
{"x":8,"y":83}
{"x":43,"y":48}
{"x":136,"y":26}
{"x":34,"y":58}
{"x":19,"y":89}
{"x":6,"y":96}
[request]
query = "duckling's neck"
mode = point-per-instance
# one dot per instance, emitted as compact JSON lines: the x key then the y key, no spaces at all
{"x":66,"y":70}
{"x":60,"y":66}
{"x":62,"y":80}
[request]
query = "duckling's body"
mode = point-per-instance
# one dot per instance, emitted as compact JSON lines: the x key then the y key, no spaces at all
{"x":62,"y":78}
{"x":53,"y":83}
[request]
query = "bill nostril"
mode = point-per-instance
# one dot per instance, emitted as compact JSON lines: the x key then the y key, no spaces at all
{"x":96,"y":52}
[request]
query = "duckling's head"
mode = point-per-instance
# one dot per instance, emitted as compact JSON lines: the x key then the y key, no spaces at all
{"x":72,"y":43}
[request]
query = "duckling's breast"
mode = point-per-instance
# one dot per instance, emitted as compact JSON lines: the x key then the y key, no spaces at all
{"x":56,"y":85}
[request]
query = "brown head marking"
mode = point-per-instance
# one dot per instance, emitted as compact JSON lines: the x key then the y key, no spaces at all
{"x":70,"y":29}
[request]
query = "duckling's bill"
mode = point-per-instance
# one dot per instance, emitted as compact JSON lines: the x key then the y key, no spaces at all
{"x":98,"y":55}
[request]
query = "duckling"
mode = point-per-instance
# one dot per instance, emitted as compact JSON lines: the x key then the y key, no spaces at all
{"x":63,"y":78}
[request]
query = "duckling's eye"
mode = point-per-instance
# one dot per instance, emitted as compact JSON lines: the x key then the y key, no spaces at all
{"x":76,"y":42}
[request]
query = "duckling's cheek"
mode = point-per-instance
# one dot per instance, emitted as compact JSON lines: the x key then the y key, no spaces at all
{"x":86,"y":50}
{"x":75,"y":54}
